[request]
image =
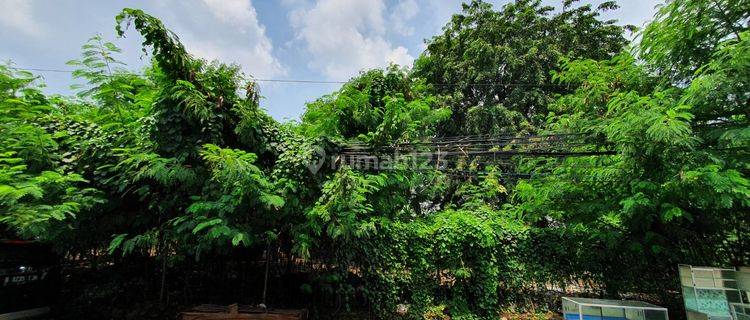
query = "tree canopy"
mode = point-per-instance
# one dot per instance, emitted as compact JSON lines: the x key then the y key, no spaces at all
{"x":159,"y":180}
{"x":496,"y":65}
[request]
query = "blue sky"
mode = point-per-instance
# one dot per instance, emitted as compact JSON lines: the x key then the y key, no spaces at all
{"x":288,"y":39}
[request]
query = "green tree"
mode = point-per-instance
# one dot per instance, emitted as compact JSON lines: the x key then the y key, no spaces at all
{"x":378,"y":107}
{"x":194,"y":167}
{"x":677,"y":190}
{"x":495,"y":65}
{"x":685,"y":34}
{"x":108,"y":83}
{"x":39,"y":195}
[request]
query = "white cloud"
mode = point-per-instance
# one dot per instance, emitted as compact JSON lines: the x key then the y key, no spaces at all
{"x":346,"y":36}
{"x":234,"y":34}
{"x":401,"y":14}
{"x":17,"y":14}
{"x":256,"y":60}
{"x":237,"y":12}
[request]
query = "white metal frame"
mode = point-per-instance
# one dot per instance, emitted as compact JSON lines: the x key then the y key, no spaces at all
{"x":695,"y":287}
{"x":582,"y":304}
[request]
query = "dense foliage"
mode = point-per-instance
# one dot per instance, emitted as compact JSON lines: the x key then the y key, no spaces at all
{"x":160,"y":180}
{"x":496,"y":65}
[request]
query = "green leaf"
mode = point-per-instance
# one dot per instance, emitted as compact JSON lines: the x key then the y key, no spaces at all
{"x":206,"y":224}
{"x":116,"y":242}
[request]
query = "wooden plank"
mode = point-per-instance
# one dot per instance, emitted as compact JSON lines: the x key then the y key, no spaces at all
{"x":236,"y":312}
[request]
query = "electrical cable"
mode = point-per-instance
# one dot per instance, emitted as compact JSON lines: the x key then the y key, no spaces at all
{"x":310,"y":81}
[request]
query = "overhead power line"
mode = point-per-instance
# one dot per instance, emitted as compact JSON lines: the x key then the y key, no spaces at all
{"x":41,"y":70}
{"x":448,"y":153}
{"x":313,"y":81}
